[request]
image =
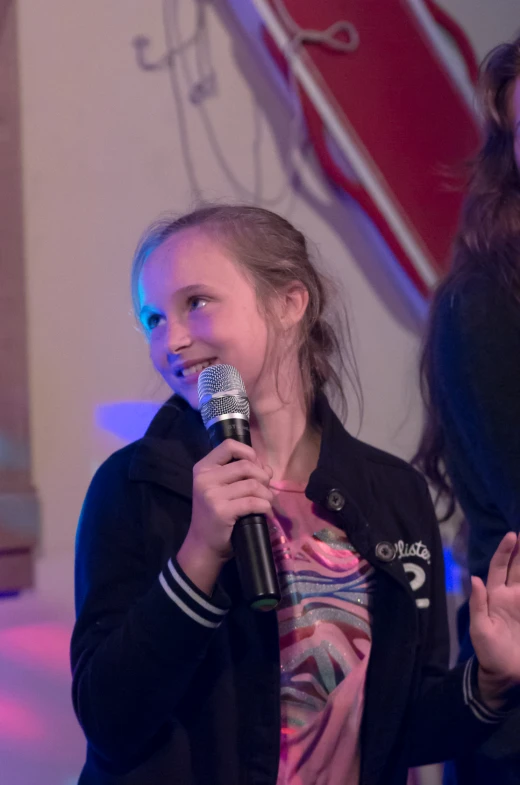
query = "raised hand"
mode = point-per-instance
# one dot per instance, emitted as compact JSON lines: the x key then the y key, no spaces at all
{"x":495,"y":621}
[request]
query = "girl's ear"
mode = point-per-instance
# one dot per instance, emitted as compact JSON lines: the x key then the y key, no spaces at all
{"x":293,"y":304}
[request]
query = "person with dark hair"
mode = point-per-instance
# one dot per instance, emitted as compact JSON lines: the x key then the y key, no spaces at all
{"x":470,"y":368}
{"x":176,"y":680}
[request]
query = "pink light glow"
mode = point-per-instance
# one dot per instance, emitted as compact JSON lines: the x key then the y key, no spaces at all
{"x":18,"y":722}
{"x":37,"y":645}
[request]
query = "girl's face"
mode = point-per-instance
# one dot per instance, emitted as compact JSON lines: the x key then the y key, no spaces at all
{"x":198,"y":308}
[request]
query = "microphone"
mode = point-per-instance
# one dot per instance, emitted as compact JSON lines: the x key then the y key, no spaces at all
{"x":225,"y":412}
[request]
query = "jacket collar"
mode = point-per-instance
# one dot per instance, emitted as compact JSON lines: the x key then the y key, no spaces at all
{"x":342,"y":462}
{"x":176,"y":439}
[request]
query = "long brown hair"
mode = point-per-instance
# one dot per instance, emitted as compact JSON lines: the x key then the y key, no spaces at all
{"x":488,"y":238}
{"x":274,"y":254}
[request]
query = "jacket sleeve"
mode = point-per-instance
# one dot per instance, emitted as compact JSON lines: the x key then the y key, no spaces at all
{"x":448,"y":717}
{"x":476,"y":351}
{"x":138,"y":638}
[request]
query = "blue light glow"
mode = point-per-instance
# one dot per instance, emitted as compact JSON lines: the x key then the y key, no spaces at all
{"x":126,"y":419}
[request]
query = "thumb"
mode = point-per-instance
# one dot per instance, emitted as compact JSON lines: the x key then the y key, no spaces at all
{"x":478,"y":602}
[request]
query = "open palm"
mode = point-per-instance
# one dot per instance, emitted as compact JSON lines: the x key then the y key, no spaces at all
{"x":495,"y":613}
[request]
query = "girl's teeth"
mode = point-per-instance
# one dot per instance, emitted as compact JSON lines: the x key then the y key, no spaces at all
{"x":195,"y":369}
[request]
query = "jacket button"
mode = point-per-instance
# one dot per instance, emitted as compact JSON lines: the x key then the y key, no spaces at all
{"x":385,"y":551}
{"x":335,"y":500}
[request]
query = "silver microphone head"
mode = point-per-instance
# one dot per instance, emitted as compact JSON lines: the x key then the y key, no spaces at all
{"x":222,"y":393}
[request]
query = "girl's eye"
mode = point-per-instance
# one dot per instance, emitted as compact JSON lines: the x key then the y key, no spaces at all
{"x":196,"y":303}
{"x":153,"y":320}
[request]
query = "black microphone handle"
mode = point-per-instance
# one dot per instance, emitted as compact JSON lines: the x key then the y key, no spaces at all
{"x":250,"y":538}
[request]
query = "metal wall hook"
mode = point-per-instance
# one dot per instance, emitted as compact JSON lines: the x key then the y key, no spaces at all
{"x":142,"y":43}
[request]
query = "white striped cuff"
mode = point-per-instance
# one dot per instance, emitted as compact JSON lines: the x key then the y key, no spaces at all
{"x":189,"y":599}
{"x":470,"y":691}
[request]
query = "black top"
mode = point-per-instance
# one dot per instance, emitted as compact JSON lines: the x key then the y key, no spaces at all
{"x":173,"y":687}
{"x":476,"y":372}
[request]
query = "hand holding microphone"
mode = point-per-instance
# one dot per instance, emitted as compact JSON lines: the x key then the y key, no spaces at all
{"x":227,"y":484}
{"x":231,"y":494}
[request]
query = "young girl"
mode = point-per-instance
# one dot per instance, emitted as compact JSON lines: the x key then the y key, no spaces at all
{"x":176,"y":680}
{"x":471,"y":369}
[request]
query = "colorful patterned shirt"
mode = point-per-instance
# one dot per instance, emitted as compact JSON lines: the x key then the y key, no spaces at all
{"x":325,"y":637}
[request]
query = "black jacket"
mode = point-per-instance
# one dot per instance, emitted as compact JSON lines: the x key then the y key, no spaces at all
{"x":175,"y":688}
{"x":476,"y":375}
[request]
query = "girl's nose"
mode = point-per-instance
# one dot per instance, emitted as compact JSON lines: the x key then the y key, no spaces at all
{"x":178,"y":338}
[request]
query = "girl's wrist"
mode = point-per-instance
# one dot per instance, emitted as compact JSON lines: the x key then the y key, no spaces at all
{"x":201,"y":564}
{"x":494,"y":690}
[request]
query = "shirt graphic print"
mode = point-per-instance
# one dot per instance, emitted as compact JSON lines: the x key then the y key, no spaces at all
{"x":325,"y":636}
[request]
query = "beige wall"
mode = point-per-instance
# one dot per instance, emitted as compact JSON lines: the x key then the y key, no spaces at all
{"x":102,"y":156}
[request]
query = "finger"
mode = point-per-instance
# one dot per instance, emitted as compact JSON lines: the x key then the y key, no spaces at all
{"x":229,"y":450}
{"x":248,"y":488}
{"x":478,"y":601}
{"x":240,"y":470}
{"x":499,"y":564}
{"x":513,"y":575}
{"x":250,"y":505}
